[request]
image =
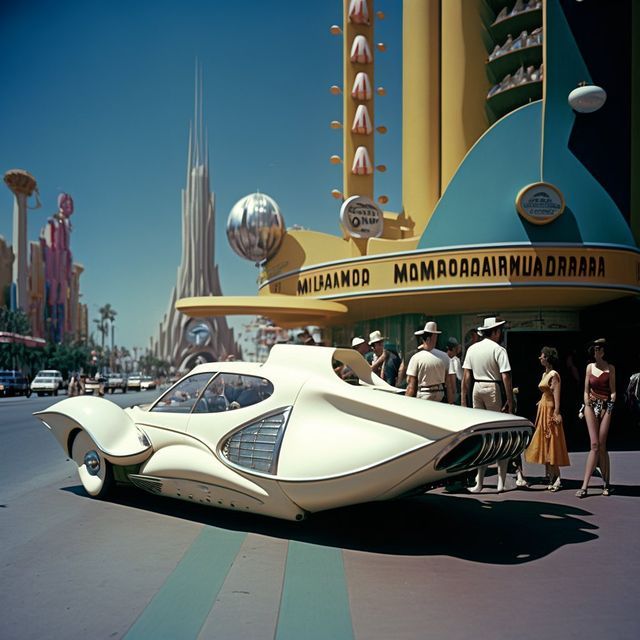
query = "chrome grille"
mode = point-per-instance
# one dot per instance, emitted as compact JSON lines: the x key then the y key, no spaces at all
{"x":256,"y":445}
{"x":152,"y":485}
{"x":484,"y":447}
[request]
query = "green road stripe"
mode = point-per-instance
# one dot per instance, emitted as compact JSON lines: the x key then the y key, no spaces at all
{"x":181,"y":606}
{"x":315,"y":603}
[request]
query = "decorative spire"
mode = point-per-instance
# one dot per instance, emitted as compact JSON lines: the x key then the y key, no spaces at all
{"x":198,"y":153}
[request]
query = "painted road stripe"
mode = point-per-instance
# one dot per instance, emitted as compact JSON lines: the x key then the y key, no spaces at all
{"x":315,"y":603}
{"x":181,"y":606}
{"x":248,"y":602}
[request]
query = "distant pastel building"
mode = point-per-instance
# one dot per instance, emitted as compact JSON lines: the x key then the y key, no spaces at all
{"x":45,"y":283}
{"x":182,"y":341}
{"x":6,"y":269}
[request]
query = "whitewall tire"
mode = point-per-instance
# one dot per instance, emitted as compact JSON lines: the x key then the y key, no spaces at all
{"x":95,"y":471}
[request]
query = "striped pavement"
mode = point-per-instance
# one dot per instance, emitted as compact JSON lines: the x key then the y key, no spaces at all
{"x":236,"y":585}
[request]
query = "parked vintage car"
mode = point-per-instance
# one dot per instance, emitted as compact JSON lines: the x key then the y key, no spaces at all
{"x":285,"y":438}
{"x":147,"y":382}
{"x":133,"y":381}
{"x":14,"y":383}
{"x":95,"y":385}
{"x":116,"y":382}
{"x":48,"y":381}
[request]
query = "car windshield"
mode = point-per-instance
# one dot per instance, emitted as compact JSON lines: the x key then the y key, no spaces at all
{"x":182,"y":397}
{"x":43,"y":379}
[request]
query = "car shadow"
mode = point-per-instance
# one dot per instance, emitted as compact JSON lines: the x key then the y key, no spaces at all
{"x":479,"y":529}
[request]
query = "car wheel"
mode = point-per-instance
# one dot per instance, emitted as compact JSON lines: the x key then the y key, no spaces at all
{"x":95,"y":471}
{"x":27,"y":393}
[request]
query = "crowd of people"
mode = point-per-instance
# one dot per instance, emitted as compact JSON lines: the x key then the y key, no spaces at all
{"x":482,"y":380}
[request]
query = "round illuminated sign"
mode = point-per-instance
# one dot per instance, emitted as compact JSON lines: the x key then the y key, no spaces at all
{"x":540,"y":203}
{"x":361,"y":217}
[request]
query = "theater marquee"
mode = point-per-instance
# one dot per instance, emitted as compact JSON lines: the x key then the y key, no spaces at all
{"x":582,"y":266}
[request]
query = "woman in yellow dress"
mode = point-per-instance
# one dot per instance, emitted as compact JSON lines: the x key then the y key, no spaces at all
{"x":548,"y":444}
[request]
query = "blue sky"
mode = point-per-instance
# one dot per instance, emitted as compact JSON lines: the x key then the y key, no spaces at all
{"x":97,"y":96}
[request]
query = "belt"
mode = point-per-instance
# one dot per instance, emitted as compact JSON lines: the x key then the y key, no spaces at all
{"x":490,"y":381}
{"x":433,"y":387}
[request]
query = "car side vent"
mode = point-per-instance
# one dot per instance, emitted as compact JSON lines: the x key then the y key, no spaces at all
{"x":484,"y":448}
{"x":152,"y":485}
{"x":256,"y":445}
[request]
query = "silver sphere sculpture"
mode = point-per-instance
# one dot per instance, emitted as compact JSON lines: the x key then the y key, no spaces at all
{"x":255,"y":227}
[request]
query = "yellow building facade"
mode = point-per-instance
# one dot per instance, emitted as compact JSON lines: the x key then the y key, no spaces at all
{"x":519,"y":184}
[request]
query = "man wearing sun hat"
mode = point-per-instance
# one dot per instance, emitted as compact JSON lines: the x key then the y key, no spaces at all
{"x":360,"y":345}
{"x":376,"y":356}
{"x":428,"y":369}
{"x":487,"y":363}
{"x":384,"y":360}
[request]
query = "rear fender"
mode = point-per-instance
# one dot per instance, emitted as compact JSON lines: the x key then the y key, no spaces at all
{"x":109,"y":426}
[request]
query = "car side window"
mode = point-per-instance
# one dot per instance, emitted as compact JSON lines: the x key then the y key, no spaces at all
{"x":183,"y":397}
{"x":213,"y":400}
{"x":229,"y":391}
{"x":243,"y":391}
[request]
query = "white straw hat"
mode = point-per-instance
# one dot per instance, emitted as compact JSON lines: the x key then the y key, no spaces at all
{"x":430,"y":327}
{"x":356,"y":342}
{"x":491,"y":323}
{"x":375,"y":336}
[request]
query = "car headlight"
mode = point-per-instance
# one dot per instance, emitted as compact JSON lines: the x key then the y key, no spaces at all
{"x":143,"y":438}
{"x":257,"y":445}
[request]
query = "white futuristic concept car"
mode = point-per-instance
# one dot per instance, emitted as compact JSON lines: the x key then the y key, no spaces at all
{"x":285,"y":438}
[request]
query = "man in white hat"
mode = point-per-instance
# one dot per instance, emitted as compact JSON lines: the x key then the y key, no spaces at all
{"x":360,"y":345}
{"x":488,"y":363}
{"x":428,"y":370}
{"x":376,"y":356}
{"x":384,"y":363}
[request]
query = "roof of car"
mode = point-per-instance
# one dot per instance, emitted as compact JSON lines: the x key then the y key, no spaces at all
{"x":313,"y":359}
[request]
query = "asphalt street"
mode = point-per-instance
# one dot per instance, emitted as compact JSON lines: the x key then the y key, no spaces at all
{"x":525,"y":564}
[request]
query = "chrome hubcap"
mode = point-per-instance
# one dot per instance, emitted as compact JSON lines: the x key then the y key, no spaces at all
{"x":92,"y":462}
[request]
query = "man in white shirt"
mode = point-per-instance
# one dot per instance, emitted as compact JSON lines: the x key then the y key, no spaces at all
{"x":487,"y":361}
{"x":428,"y":371}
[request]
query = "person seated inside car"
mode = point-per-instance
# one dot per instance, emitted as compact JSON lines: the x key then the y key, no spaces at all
{"x":255,"y":391}
{"x":214,"y":398}
{"x":233,"y":388}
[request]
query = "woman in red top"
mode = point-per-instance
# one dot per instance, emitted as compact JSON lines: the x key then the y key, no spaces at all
{"x":599,"y":397}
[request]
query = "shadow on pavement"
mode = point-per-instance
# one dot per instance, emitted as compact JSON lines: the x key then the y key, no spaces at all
{"x":496,"y":531}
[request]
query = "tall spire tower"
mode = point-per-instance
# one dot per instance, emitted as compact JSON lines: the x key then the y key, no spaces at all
{"x":184,"y":342}
{"x":197,"y":275}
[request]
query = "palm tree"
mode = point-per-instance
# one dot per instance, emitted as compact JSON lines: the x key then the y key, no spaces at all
{"x":102,"y":328}
{"x":107,"y":315}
